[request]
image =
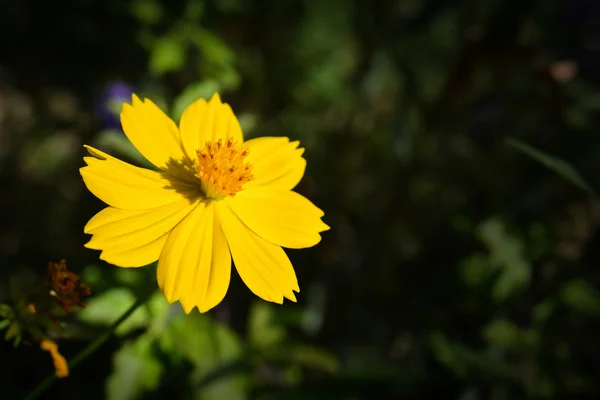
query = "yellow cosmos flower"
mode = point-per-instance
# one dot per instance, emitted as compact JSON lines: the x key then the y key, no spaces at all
{"x":214,"y":197}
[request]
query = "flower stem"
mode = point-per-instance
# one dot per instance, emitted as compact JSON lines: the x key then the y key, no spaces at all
{"x":87,"y":351}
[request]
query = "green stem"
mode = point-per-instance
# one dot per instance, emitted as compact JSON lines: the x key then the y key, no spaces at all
{"x":87,"y":351}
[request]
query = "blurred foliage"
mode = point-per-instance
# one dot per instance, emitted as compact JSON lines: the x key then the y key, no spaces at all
{"x":459,"y":265}
{"x":555,"y":164}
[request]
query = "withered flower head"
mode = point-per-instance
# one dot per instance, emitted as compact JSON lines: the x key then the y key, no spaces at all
{"x":65,"y":286}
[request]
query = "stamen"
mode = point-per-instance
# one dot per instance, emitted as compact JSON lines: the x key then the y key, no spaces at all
{"x":222,"y":168}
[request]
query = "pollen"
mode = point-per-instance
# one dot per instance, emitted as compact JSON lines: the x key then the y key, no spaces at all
{"x":222,"y":168}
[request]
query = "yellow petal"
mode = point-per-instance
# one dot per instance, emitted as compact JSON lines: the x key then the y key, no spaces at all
{"x":60,"y":363}
{"x":136,"y":257}
{"x":152,"y":132}
{"x":276,"y":162}
{"x":125,"y":186}
{"x":195,"y":265}
{"x":208,"y":121}
{"x":134,"y":238}
{"x":282,"y":217}
{"x":263,"y":266}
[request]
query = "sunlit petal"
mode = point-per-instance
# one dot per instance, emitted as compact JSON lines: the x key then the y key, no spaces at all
{"x":125,"y":186}
{"x":152,"y":132}
{"x":135,"y":256}
{"x":263,"y":266}
{"x":206,"y":121}
{"x":195,"y":265}
{"x":282,"y":217}
{"x":276,"y":162}
{"x":119,"y":232}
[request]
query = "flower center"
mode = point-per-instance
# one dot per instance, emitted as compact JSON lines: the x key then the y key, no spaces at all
{"x":222,"y":169}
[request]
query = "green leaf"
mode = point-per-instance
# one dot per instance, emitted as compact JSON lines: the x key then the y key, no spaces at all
{"x":506,"y":334}
{"x":6,"y":311}
{"x":217,"y":58}
{"x":91,"y":275}
{"x":208,"y":346}
{"x":199,"y":340}
{"x":501,"y":332}
{"x":557,"y":165}
{"x":4,"y":323}
{"x":128,"y":277}
{"x":263,"y":331}
{"x":105,"y":308}
{"x":148,"y":12}
{"x":447,"y":354}
{"x":542,"y":311}
{"x":195,"y":91}
{"x":228,"y":387}
{"x":194,"y":9}
{"x":13,"y":330}
{"x":214,"y":48}
{"x":229,"y":6}
{"x":459,"y":359}
{"x":582,"y":296}
{"x":136,"y":370}
{"x":475,"y":270}
{"x":167,"y":55}
{"x":310,"y":356}
{"x":507,"y":256}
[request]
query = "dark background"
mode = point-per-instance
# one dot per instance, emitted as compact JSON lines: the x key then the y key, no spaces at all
{"x":457,"y":267}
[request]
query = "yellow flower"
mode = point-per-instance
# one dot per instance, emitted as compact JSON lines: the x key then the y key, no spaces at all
{"x":214,"y":197}
{"x":60,"y":363}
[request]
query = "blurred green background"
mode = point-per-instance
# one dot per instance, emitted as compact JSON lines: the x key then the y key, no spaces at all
{"x":457,"y":266}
